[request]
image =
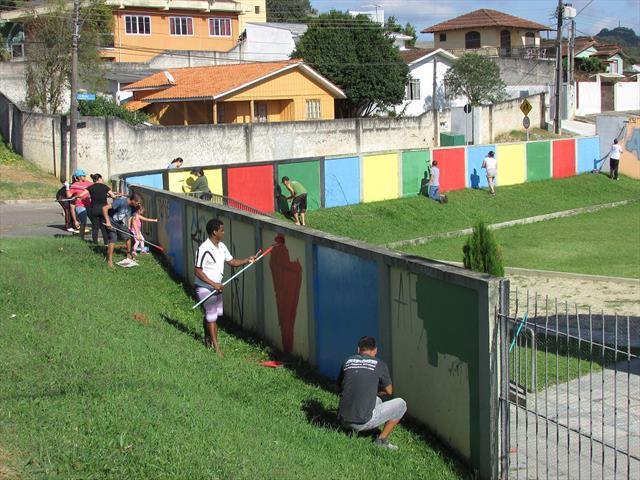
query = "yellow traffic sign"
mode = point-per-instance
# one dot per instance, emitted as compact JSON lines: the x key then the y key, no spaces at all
{"x":525,"y":107}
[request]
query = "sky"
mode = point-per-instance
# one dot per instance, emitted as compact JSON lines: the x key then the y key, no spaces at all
{"x":598,"y":14}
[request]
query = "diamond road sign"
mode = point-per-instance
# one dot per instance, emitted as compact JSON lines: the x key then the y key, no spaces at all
{"x":525,"y":107}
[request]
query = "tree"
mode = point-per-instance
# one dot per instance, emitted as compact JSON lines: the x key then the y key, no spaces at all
{"x":476,"y":77}
{"x":392,"y":25}
{"x":48,"y":52}
{"x":359,"y":58}
{"x":292,"y":11}
{"x":482,"y":253}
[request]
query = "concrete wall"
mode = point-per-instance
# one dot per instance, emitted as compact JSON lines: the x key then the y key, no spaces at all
{"x":525,"y":71}
{"x":587,"y":98}
{"x":316,"y":294}
{"x":627,"y":130}
{"x":626,"y":96}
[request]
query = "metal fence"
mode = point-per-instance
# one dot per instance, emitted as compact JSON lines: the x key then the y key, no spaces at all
{"x":570,"y":391}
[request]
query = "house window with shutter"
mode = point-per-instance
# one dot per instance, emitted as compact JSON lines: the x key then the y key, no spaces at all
{"x":313,"y":110}
{"x":413,"y":90}
{"x":472,"y":40}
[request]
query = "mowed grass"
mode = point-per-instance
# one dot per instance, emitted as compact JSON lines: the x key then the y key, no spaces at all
{"x":87,"y":391}
{"x":606,"y":242}
{"x":20,"y":179}
{"x":407,"y":218}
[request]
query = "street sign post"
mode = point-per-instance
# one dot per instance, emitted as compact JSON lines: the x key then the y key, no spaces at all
{"x":525,"y":107}
{"x":526,"y":123}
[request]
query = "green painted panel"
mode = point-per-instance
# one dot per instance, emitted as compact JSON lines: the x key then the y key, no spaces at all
{"x":449,"y":314}
{"x":538,"y":161}
{"x":414,"y":165}
{"x":308,"y":174}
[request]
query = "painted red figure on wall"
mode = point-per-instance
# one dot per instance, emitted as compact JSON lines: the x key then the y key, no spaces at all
{"x":287,"y":280}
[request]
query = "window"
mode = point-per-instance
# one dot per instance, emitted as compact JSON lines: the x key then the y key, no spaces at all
{"x":472,"y":40}
{"x":181,"y":25}
{"x":257,"y":9}
{"x":442,"y":37}
{"x":529,"y":39}
{"x":220,"y":27}
{"x":137,"y":25}
{"x":220,"y":110}
{"x":412,"y":90}
{"x":313,"y":110}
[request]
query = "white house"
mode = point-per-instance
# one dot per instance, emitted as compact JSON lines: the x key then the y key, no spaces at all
{"x":419,"y":96}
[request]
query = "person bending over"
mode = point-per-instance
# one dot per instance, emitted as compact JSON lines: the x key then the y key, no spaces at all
{"x":362,"y":379}
{"x":298,"y":199}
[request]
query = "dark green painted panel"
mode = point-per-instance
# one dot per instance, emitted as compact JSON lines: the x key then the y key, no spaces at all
{"x":414,"y":165}
{"x":538,"y":161}
{"x":450,"y":317}
{"x":308,"y":174}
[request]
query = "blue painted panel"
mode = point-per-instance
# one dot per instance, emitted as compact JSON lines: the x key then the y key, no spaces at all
{"x":476,"y":176}
{"x":153,"y":180}
{"x":171,"y":232}
{"x":588,"y":153}
{"x":346,"y":306}
{"x":341,"y":181}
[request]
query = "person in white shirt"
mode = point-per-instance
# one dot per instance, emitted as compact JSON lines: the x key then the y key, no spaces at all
{"x":490,"y":164}
{"x":209,"y":269}
{"x":614,"y":160}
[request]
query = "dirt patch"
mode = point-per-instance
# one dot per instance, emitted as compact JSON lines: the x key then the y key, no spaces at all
{"x":141,"y":317}
{"x":610,"y":297}
{"x":7,"y":470}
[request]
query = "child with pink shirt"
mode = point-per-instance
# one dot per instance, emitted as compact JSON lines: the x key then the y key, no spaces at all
{"x":135,"y":227}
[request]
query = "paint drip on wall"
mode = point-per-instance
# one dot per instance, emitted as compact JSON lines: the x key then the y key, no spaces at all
{"x":287,"y":280}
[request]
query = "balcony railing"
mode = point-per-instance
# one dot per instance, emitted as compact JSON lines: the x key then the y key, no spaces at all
{"x":537,"y":53}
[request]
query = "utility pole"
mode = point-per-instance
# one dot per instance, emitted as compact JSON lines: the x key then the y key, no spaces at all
{"x":558,"y":83}
{"x":572,"y":63}
{"x":73,"y":130}
{"x":434,"y":107}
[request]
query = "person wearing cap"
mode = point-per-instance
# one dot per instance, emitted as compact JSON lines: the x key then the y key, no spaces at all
{"x":78,"y":189}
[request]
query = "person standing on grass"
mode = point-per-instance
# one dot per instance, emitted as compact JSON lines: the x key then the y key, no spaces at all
{"x":117,"y":215}
{"x":363,"y":378}
{"x":298,"y":199}
{"x":490,"y":164}
{"x":78,"y":189}
{"x":614,"y":159}
{"x":434,"y":184}
{"x":209,"y":270}
{"x":99,"y":192}
{"x":135,"y":227}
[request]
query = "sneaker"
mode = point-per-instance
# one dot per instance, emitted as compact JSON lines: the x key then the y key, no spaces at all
{"x":72,"y":230}
{"x":385,"y":443}
{"x":125,"y":263}
{"x":132,"y":263}
{"x":445,"y":199}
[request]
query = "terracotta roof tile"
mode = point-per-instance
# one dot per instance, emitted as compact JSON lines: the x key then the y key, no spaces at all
{"x":485,"y":18}
{"x":206,"y":82}
{"x":415,"y":53}
{"x":134,"y":105}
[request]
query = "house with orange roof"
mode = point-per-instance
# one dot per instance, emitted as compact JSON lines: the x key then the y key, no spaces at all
{"x":240,"y":93}
{"x":488,"y":31}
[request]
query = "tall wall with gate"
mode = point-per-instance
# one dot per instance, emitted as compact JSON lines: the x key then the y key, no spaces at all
{"x":315,"y":295}
{"x":351,"y":179}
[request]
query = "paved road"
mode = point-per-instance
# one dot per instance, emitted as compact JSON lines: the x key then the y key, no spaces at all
{"x":31,"y":220}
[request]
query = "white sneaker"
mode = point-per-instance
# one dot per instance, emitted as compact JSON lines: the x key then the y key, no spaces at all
{"x":132,"y":263}
{"x":125,"y":263}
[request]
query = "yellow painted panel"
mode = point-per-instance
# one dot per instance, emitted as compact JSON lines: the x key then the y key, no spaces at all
{"x":180,"y":181}
{"x":512,"y":166}
{"x":445,"y":408}
{"x":285,"y":295}
{"x":380,"y":174}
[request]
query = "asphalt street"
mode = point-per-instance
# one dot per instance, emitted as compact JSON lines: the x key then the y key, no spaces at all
{"x":33,"y":219}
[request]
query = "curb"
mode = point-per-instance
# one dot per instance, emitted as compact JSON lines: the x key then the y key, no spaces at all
{"x":511,"y":223}
{"x":24,"y":201}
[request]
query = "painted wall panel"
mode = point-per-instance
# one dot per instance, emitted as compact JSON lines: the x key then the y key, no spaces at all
{"x":435,"y":356}
{"x":414,"y":164}
{"x":179,"y":179}
{"x":588,"y":154}
{"x":380,"y":177}
{"x":307,"y":173}
{"x":476,"y":176}
{"x":564,"y":158}
{"x":152,"y":180}
{"x":538,"y":161}
{"x":341,"y":181}
{"x":195,"y":223}
{"x":511,"y":164}
{"x":170,"y":232}
{"x":452,"y":168}
{"x":285,"y":294}
{"x":345,"y":305}
{"x":252,"y":185}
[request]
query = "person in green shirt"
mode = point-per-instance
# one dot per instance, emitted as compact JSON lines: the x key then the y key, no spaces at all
{"x":298,"y":199}
{"x":200,"y":186}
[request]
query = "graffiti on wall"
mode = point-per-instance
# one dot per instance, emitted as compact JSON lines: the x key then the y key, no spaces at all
{"x":170,"y":232}
{"x":630,"y":159}
{"x":287,"y":280}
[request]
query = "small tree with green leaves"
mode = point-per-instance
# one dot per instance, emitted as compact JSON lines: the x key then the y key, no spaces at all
{"x":292,"y":11}
{"x":477,"y":78}
{"x":481,"y":251}
{"x":392,"y":25}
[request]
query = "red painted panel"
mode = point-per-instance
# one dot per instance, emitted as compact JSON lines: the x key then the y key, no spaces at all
{"x":451,"y":164}
{"x":252,"y":185}
{"x":564,"y":158}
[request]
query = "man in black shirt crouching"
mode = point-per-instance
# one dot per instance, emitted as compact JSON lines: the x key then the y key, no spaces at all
{"x":362,"y":378}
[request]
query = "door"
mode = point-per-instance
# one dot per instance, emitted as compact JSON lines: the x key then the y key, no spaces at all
{"x":606,"y":97}
{"x":261,"y":112}
{"x":505,"y":43}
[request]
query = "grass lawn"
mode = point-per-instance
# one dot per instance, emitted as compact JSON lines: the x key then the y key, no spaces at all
{"x":534,"y":134}
{"x":88,"y":391}
{"x":20,"y":179}
{"x":402,"y":219}
{"x":605,"y":242}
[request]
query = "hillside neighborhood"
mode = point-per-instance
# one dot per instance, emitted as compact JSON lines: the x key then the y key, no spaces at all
{"x":291,"y":239}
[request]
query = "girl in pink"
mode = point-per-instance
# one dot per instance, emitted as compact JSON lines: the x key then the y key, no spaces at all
{"x":135,"y":227}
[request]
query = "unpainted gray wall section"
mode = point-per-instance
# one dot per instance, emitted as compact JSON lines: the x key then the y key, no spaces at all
{"x":522,"y":71}
{"x":609,"y":127}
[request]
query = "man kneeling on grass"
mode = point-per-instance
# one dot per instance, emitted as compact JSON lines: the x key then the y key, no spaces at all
{"x":362,"y":378}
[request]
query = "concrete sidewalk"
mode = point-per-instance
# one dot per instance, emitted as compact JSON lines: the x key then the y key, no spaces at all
{"x":32,"y":219}
{"x":581,"y":128}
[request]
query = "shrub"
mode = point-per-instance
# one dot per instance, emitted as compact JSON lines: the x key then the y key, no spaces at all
{"x":104,"y":107}
{"x":481,"y":251}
